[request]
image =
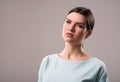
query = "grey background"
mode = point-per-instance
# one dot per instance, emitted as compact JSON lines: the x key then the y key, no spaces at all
{"x":31,"y":29}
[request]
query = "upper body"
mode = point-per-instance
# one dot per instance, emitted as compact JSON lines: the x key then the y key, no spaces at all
{"x":55,"y":69}
{"x":77,"y":27}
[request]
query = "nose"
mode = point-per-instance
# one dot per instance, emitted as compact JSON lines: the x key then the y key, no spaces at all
{"x":72,"y":28}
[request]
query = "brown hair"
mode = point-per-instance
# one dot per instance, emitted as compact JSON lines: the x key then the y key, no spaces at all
{"x":88,"y":15}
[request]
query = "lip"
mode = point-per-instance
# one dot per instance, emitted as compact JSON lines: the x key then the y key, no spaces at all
{"x":69,"y":34}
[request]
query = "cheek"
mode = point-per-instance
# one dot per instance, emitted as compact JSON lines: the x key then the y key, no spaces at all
{"x":79,"y":34}
{"x":64,"y":28}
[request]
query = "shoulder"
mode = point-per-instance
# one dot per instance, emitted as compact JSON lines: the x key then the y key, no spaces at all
{"x":96,"y":64}
{"x":99,"y":62}
{"x":99,"y":66}
{"x":49,"y":58}
{"x":102,"y":71}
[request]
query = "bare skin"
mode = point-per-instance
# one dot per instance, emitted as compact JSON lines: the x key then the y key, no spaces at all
{"x":74,"y":33}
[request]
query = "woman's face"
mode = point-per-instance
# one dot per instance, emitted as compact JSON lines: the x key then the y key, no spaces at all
{"x":74,"y":28}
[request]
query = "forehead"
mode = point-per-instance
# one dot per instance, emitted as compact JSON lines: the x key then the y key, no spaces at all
{"x":76,"y":17}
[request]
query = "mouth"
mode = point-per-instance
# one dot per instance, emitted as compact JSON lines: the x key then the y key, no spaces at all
{"x":69,"y":34}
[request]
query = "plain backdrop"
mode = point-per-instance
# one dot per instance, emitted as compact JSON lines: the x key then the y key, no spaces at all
{"x":31,"y":29}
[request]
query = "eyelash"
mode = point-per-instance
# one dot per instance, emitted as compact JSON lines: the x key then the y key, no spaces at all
{"x":68,"y":22}
{"x":80,"y":26}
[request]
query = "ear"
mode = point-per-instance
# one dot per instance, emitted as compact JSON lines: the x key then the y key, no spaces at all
{"x":88,"y":34}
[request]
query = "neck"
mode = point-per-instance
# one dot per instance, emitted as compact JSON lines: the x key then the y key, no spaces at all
{"x":74,"y":53}
{"x":73,"y":50}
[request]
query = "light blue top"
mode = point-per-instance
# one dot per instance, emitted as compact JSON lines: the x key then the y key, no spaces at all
{"x":55,"y":69}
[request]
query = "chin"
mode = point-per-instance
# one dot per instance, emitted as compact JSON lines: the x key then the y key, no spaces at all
{"x":68,"y":40}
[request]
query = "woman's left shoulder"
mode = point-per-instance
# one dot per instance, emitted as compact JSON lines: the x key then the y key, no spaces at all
{"x":98,"y":62}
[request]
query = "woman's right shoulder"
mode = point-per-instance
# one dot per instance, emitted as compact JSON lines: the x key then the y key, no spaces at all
{"x":49,"y":58}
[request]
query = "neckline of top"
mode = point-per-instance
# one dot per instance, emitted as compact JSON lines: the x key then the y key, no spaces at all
{"x":69,"y":61}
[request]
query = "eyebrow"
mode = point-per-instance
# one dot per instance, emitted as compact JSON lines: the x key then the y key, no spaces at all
{"x":76,"y":22}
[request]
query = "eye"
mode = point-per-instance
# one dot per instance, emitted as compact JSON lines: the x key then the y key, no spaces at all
{"x":67,"y":21}
{"x":80,"y":26}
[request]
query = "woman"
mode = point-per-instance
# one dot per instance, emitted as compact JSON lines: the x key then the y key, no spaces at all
{"x":74,"y":64}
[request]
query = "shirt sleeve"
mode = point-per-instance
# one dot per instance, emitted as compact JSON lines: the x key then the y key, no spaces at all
{"x":42,"y":69}
{"x":102,"y":75}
